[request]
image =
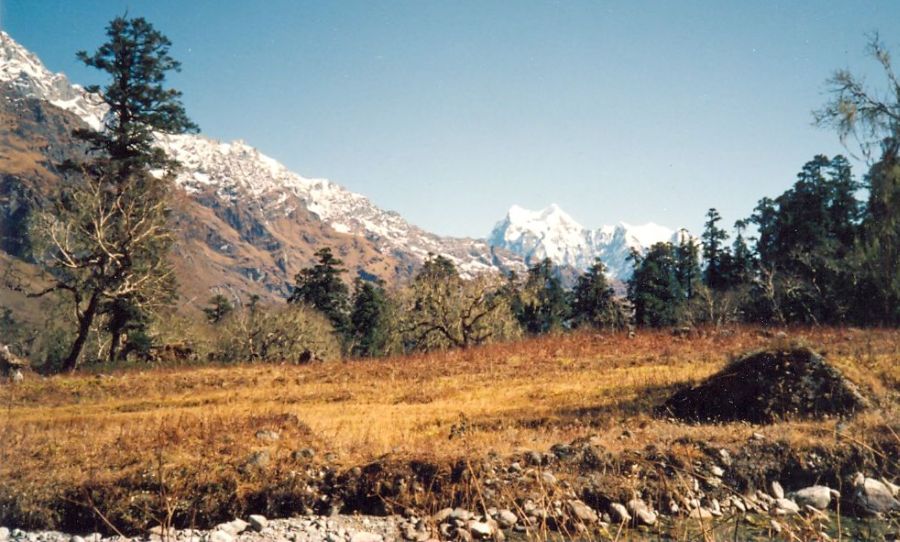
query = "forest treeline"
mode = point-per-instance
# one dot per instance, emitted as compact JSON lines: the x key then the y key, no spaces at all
{"x":826,"y":251}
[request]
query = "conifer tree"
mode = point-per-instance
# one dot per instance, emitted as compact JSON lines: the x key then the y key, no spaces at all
{"x":219,"y":308}
{"x":654,"y":289}
{"x":371,"y":319}
{"x":687,"y":264}
{"x":741,"y":269}
{"x":543,"y":306}
{"x":715,"y":252}
{"x":321,"y":287}
{"x":104,"y":239}
{"x":593,"y":302}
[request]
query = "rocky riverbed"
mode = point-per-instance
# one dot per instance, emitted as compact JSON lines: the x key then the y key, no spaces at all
{"x":802,"y":513}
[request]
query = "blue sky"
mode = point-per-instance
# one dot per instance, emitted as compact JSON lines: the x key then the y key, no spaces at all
{"x":449,"y":112}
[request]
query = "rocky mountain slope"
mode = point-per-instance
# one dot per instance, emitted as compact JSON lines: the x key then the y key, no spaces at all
{"x":247,"y":223}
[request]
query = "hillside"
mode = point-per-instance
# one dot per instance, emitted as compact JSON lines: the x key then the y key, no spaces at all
{"x":246,"y":223}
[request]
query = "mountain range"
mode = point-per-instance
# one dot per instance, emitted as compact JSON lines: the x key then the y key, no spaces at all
{"x":247,"y":224}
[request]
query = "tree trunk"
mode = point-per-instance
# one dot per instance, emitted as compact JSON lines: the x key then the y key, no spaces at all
{"x":116,"y":338}
{"x":84,"y":327}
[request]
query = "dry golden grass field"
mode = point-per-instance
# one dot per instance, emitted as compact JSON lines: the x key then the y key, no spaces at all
{"x":109,"y":441}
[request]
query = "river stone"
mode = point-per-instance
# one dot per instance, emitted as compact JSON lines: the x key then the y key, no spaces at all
{"x":777,"y":490}
{"x":442,"y":515}
{"x":619,"y":513}
{"x":258,"y":522}
{"x":4,"y":534}
{"x":873,"y":496}
{"x":895,"y":489}
{"x":581,"y":512}
{"x":785,"y":507}
{"x":818,"y":497}
{"x":219,"y":536}
{"x":461,"y":514}
{"x":480,"y":530}
{"x":233,"y":527}
{"x":506,"y":519}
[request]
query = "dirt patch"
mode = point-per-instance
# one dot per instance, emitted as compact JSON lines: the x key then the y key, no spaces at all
{"x":769,"y":386}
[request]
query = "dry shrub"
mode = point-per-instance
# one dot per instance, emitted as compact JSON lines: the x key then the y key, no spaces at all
{"x":295,"y":333}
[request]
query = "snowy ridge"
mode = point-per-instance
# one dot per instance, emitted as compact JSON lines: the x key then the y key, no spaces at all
{"x":238,"y":173}
{"x":551,"y":233}
{"x":26,"y":73}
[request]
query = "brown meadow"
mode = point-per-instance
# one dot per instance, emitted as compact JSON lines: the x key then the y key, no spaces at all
{"x":122,"y":436}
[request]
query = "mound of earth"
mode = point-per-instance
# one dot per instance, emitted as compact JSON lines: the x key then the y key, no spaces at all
{"x":768,"y":386}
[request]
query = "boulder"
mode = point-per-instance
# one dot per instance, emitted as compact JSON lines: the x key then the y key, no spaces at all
{"x":506,"y":518}
{"x":641,"y":512}
{"x":480,"y":530}
{"x":619,"y":513}
{"x":873,"y":496}
{"x":581,"y":512}
{"x":777,"y":490}
{"x":258,"y":522}
{"x":784,"y":507}
{"x":819,"y":497}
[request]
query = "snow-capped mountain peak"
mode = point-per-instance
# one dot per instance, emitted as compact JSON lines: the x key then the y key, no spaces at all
{"x":552,"y":233}
{"x":24,"y":71}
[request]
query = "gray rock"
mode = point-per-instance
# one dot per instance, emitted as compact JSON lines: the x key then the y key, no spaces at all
{"x":4,"y":534}
{"x":219,"y":536}
{"x":258,"y":522}
{"x":480,"y":530}
{"x":873,"y":496}
{"x":618,"y":513}
{"x":895,"y":489}
{"x":461,"y":514}
{"x":785,"y":507}
{"x":76,"y":538}
{"x":548,"y":478}
{"x":776,"y":490}
{"x":819,"y":497}
{"x":233,"y":527}
{"x":725,"y":457}
{"x":581,"y":512}
{"x":717,"y":471}
{"x":506,"y":518}
{"x":642,"y":513}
